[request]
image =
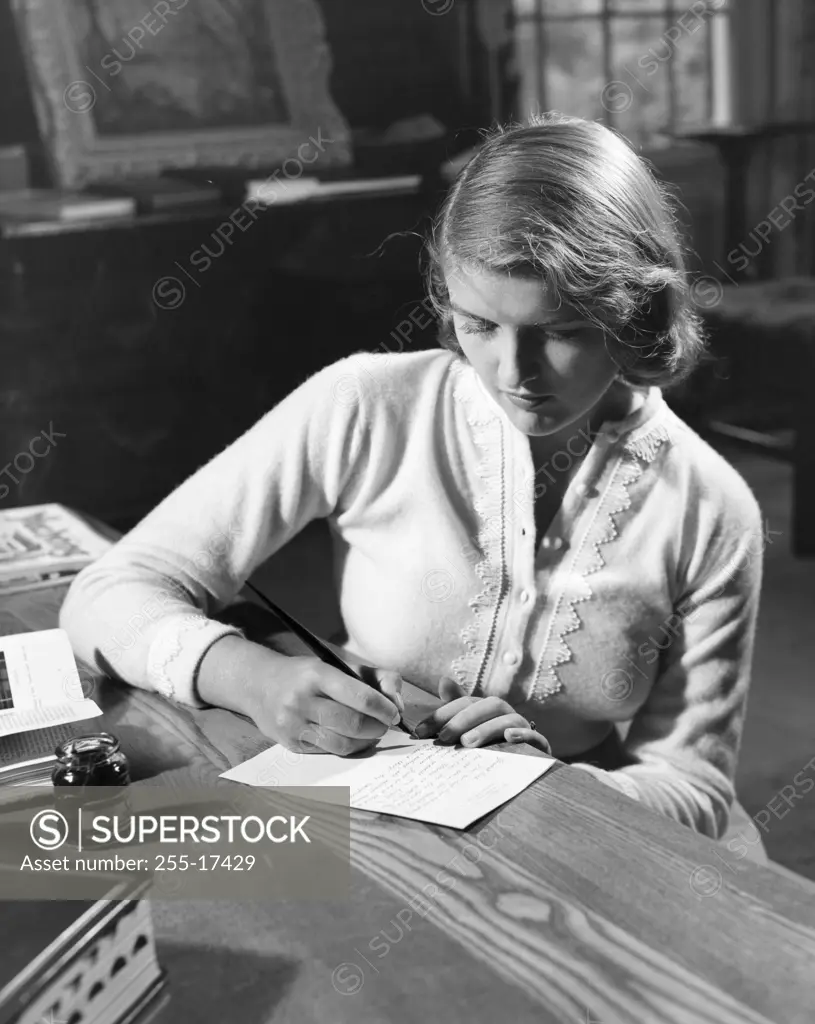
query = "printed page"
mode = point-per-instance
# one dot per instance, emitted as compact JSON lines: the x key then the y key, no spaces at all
{"x":39,"y":683}
{"x":408,"y":778}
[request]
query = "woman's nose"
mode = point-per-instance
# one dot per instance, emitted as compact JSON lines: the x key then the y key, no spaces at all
{"x":518,"y":360}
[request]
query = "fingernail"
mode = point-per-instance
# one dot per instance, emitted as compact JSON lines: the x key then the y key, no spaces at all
{"x":422,"y":730}
{"x":445,"y":736}
{"x":397,"y":718}
{"x":469,"y":740}
{"x":397,"y":700}
{"x":513,"y":735}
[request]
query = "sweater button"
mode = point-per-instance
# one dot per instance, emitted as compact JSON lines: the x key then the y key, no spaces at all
{"x":511,"y":658}
{"x":553,"y":543}
{"x":524,"y":596}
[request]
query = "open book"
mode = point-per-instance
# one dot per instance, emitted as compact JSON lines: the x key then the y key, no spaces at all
{"x":40,"y":544}
{"x":41,"y":702}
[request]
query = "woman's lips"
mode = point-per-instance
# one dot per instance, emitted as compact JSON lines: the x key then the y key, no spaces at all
{"x":524,"y":401}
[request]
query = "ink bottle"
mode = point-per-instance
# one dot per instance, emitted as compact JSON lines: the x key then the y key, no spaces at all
{"x":93,"y":760}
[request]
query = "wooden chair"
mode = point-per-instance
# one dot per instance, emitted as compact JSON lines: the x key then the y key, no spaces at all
{"x":757,"y":389}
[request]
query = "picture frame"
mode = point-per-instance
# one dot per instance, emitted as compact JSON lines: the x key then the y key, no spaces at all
{"x":123,"y":92}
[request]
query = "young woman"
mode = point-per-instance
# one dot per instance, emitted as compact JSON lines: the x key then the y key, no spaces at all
{"x":519,"y":521}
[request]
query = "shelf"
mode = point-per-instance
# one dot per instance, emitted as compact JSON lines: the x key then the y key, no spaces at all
{"x":38,"y":229}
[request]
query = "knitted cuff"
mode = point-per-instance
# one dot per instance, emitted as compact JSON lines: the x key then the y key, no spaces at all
{"x":176,"y":653}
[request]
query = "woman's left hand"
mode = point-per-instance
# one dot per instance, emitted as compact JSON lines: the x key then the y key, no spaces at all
{"x":477,"y":721}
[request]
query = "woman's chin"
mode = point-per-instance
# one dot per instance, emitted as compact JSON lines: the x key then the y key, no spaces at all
{"x":535,"y":422}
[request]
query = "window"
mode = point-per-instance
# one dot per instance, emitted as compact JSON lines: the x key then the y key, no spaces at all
{"x":644,"y":67}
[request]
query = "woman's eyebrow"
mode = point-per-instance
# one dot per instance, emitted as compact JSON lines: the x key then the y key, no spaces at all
{"x":465,"y":312}
{"x":564,"y":322}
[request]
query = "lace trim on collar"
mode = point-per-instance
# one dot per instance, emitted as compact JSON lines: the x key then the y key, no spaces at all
{"x":637,"y":451}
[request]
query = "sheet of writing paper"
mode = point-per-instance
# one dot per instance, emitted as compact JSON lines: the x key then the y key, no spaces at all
{"x":408,"y":778}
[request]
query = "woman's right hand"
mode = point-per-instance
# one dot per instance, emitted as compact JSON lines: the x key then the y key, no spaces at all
{"x":317,"y":707}
{"x":300,"y":702}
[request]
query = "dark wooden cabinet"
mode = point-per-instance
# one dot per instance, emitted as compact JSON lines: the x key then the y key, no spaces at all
{"x":139,"y":395}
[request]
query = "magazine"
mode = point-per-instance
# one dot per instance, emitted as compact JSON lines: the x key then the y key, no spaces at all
{"x":43,"y":544}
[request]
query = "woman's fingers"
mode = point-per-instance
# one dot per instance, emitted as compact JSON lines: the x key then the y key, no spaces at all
{"x":306,"y":741}
{"x":390,"y":685}
{"x":356,"y":695}
{"x":339,"y":718}
{"x":466,"y":713}
{"x":431,"y":725}
{"x":335,"y":743}
{"x":525,"y":734}
{"x":449,"y":689}
{"x":454,"y":701}
{"x":386,"y":681}
{"x":477,"y":734}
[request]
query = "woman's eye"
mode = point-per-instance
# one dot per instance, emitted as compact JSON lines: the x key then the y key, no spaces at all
{"x":483,"y":327}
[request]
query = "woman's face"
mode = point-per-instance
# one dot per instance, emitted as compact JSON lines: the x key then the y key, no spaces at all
{"x":544,"y":365}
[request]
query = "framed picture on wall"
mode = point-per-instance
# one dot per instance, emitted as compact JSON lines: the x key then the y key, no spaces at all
{"x":123,"y":89}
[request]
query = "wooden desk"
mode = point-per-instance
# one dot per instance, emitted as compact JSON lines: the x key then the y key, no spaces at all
{"x":572,"y":905}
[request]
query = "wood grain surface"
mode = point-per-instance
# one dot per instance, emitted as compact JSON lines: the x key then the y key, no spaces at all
{"x":571,"y":905}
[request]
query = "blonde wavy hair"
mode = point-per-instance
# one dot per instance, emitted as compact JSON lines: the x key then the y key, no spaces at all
{"x":569,"y":201}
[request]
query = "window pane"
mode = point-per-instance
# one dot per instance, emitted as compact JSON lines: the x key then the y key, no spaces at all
{"x":558,"y":7}
{"x":637,"y":98}
{"x":574,"y":67}
{"x":692,"y":74}
{"x":571,"y":6}
{"x":678,"y":7}
{"x":641,"y":6}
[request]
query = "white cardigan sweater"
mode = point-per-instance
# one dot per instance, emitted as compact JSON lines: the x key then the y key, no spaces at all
{"x":639,"y":604}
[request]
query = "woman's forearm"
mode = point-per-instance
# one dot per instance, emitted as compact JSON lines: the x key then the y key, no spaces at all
{"x":234,"y":670}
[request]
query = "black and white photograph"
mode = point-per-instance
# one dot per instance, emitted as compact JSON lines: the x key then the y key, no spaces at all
{"x":407,"y":511}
